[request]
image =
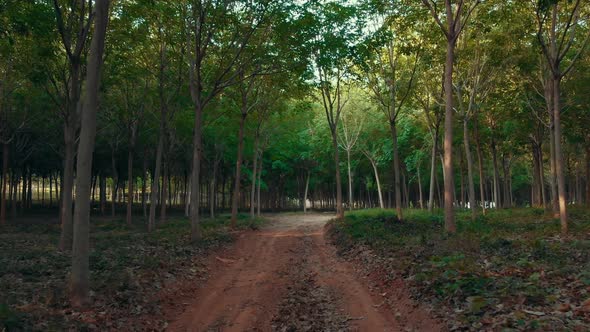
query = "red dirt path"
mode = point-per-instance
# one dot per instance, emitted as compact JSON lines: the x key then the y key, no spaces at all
{"x":249,"y":282}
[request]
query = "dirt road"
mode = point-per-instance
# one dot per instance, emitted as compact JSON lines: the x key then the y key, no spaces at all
{"x":287,"y":278}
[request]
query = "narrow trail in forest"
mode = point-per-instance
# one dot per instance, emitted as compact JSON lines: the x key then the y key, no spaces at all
{"x":287,"y":278}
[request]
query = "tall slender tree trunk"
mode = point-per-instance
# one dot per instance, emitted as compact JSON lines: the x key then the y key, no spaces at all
{"x":187,"y":197}
{"x":506,"y":203}
{"x":115,"y":186}
{"x":432,"y":173}
{"x":587,"y":175}
{"x":536,"y":182}
{"x":339,"y":208}
{"x":130,"y":154}
{"x":144,"y":185}
{"x":469,"y":157}
{"x":213,"y":192}
{"x":559,"y":163}
{"x":154,"y":192}
{"x":43,"y":191}
{"x":80,"y":275}
{"x":376,"y":172}
{"x":553,"y":167}
{"x":236,"y":193}
{"x":65,"y":239}
{"x":482,"y":182}
{"x":5,"y":180}
{"x":164,"y":196}
{"x":496,"y":190}
{"x":50,"y":191}
{"x":421,"y":198}
{"x":396,"y":170}
{"x":448,"y":141}
{"x":259,"y":203}
{"x":306,"y":191}
{"x":103,"y":193}
{"x":196,"y":171}
{"x":253,"y":180}
{"x":350,"y":193}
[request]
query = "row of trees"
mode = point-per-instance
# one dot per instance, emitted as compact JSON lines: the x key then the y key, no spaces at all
{"x":211,"y":105}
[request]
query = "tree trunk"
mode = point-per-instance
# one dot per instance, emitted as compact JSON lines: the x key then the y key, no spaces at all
{"x":115,"y":186}
{"x":80,"y":275}
{"x":432,"y":173}
{"x":144,"y":185}
{"x":259,"y":184}
{"x":448,"y":141}
{"x":506,"y":203}
{"x":559,"y":164}
{"x":164,"y":196}
{"x":588,"y":175}
{"x":536,"y":181}
{"x":376,"y":172}
{"x":237,"y":182}
{"x":396,"y":171}
{"x":43,"y":191}
{"x":196,"y":170}
{"x":421,"y":199}
{"x":103,"y":193}
{"x":496,"y":190}
{"x":130,"y":175}
{"x":339,"y":208}
{"x":5,"y":180}
{"x":253,"y":180}
{"x":156,"y":178}
{"x":553,"y":172}
{"x":306,"y":191}
{"x":482,"y":190}
{"x":472,"y":202}
{"x":50,"y":191}
{"x":350,"y":196}
{"x":65,"y":240}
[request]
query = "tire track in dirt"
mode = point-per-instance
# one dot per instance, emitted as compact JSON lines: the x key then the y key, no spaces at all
{"x":286,"y":278}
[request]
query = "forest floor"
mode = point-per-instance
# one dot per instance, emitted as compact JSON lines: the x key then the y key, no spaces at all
{"x":287,"y":278}
{"x":136,"y":276}
{"x":510,"y":270}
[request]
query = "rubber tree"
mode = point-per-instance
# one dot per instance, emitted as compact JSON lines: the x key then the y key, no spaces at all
{"x":558,"y":23}
{"x":80,"y":273}
{"x":216,"y":44}
{"x":456,"y":15}
{"x":333,"y":31}
{"x":352,"y":125}
{"x":74,"y":21}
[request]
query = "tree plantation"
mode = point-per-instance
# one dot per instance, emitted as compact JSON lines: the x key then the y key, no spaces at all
{"x":313,"y":165}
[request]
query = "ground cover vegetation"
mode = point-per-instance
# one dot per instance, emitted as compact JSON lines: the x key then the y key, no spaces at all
{"x":506,"y":270}
{"x":464,"y":116}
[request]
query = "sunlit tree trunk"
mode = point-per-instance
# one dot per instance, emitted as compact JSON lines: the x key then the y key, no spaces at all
{"x":559,"y":163}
